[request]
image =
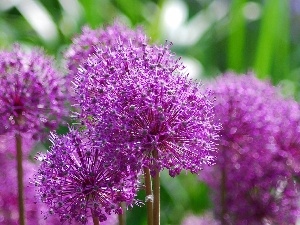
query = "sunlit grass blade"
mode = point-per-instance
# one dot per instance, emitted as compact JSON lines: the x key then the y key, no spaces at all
{"x":236,"y":39}
{"x":153,"y":30}
{"x":40,"y":20}
{"x":270,"y":27}
{"x":282,"y":44}
{"x":95,"y":11}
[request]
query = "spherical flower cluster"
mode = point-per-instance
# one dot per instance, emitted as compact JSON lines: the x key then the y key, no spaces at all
{"x":141,"y":97}
{"x":252,"y":182}
{"x":287,"y":135}
{"x":84,"y":44}
{"x":78,"y":181}
{"x":31,"y":98}
{"x":9,"y":195}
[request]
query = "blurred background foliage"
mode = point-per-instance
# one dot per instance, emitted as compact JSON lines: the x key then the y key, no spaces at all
{"x":212,"y":36}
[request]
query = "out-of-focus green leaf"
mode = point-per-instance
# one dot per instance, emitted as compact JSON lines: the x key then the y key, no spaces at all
{"x":196,"y":6}
{"x":137,"y":214}
{"x":184,"y":193}
{"x":236,"y":40}
{"x":154,"y":27}
{"x":281,"y":54}
{"x":270,"y":28}
{"x":98,"y":12}
{"x":132,"y":8}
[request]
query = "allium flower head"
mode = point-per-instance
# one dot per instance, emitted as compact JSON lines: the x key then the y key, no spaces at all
{"x":287,"y":133}
{"x":9,"y":193}
{"x":77,"y":181}
{"x":30,"y":92}
{"x":84,"y":44}
{"x":140,"y":97}
{"x":252,"y":182}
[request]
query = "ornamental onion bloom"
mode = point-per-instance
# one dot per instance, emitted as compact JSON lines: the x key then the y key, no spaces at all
{"x":78,"y":181}
{"x":31,"y":98}
{"x":9,"y":195}
{"x":84,"y":44}
{"x":287,"y":135}
{"x":252,"y":182}
{"x":139,"y":96}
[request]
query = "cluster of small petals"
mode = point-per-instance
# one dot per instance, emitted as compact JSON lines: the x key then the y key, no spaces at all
{"x":287,"y":133}
{"x":84,"y":44}
{"x":252,"y":181}
{"x":77,"y":181}
{"x":206,"y":219}
{"x":140,"y":96}
{"x":31,"y":97}
{"x":9,"y":195}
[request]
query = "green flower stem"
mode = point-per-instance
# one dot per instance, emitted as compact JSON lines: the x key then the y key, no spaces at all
{"x":122,"y":217}
{"x":223,"y":192}
{"x":20,"y":179}
{"x":156,"y":193}
{"x":149,"y":201}
{"x":96,"y":220}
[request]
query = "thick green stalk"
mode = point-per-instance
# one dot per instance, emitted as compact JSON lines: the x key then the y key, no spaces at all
{"x":237,"y":34}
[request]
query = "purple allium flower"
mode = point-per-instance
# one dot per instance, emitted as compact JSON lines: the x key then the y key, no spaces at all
{"x":78,"y":181}
{"x":141,"y":98}
{"x":30,"y":92}
{"x":251,"y":182}
{"x":9,"y":195}
{"x":84,"y":44}
{"x":8,"y":188}
{"x":206,"y":219}
{"x":287,"y":135}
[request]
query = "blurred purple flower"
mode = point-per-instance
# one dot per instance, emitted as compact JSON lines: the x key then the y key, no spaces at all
{"x":295,"y":6}
{"x":251,"y":182}
{"x":206,"y":219}
{"x":31,"y":96}
{"x":78,"y":181}
{"x":8,"y":144}
{"x":286,"y":136}
{"x":141,"y":97}
{"x":8,"y":187}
